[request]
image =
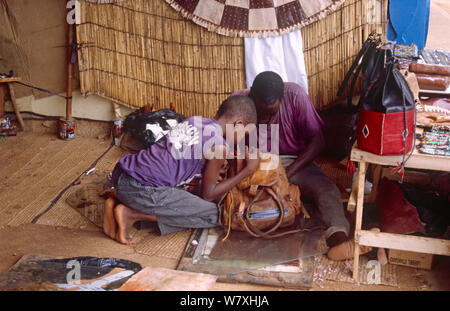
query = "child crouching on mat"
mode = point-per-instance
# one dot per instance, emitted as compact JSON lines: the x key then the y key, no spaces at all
{"x":148,"y":183}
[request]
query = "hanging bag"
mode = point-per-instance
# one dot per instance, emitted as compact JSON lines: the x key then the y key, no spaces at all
{"x":387,"y":118}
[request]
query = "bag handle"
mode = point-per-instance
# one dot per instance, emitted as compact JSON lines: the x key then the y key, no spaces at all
{"x":266,"y":234}
{"x":361,"y":53}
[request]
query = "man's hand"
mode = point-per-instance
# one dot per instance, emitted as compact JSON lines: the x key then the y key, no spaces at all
{"x":290,"y":171}
{"x":313,"y":149}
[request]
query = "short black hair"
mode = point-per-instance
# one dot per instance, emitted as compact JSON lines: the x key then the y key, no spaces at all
{"x":268,"y":87}
{"x":238,"y":105}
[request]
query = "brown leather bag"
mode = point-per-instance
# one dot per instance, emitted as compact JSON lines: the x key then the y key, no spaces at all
{"x":263,"y":202}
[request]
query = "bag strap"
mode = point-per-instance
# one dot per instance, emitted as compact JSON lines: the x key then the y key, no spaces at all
{"x":401,"y":167}
{"x":229,"y":212}
{"x":361,"y":53}
{"x":365,"y":61}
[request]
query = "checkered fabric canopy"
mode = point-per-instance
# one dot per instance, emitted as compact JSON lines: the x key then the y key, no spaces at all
{"x":254,"y":18}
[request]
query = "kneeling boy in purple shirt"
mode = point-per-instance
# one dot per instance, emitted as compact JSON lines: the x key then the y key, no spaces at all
{"x":148,"y":184}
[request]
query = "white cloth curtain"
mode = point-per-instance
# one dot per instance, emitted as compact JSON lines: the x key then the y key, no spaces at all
{"x":281,"y":54}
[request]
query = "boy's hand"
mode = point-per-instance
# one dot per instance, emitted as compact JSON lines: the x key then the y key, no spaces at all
{"x":252,"y":160}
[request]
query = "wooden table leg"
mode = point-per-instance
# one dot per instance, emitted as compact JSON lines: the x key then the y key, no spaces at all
{"x":14,"y":104}
{"x":359,"y":212}
{"x":375,"y":183}
{"x":2,"y":100}
{"x":352,"y":199}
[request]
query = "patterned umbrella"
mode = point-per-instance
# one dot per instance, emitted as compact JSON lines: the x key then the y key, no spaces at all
{"x":254,"y":18}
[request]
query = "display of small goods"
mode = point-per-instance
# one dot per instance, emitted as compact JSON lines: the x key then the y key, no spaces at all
{"x":406,"y":51}
{"x":435,"y":141}
{"x":431,"y":67}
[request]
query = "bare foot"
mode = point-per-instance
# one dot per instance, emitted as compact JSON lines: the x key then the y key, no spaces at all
{"x":125,"y":220}
{"x":346,"y":250}
{"x":109,"y":222}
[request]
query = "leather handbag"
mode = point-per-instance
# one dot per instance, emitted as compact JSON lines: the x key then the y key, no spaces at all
{"x":262,"y":203}
{"x":387,"y":119}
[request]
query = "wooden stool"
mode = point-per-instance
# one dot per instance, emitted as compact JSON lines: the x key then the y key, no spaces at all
{"x":9,"y":87}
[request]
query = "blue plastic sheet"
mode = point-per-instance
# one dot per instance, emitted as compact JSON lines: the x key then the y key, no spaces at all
{"x":408,"y":21}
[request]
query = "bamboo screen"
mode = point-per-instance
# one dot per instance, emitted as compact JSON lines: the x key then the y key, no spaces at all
{"x":142,"y":52}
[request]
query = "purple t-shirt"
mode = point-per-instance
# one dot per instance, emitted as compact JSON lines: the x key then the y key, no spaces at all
{"x":178,"y":157}
{"x":297,"y":118}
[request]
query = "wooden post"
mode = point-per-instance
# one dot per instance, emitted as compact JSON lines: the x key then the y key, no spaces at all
{"x":359,"y":212}
{"x":69,"y":74}
{"x":2,"y":100}
{"x":377,"y":171}
{"x":351,"y":204}
{"x":12,"y":95}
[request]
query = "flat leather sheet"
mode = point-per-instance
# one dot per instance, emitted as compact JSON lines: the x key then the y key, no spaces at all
{"x":286,"y":262}
{"x":241,"y":245}
{"x":397,"y":215}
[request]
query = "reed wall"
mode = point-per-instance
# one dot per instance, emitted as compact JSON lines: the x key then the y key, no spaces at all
{"x":142,"y":52}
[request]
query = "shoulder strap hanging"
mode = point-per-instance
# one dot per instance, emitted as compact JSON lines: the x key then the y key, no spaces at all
{"x":366,"y":45}
{"x":360,"y":63}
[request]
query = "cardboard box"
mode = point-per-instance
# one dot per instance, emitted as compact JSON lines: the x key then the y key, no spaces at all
{"x":411,"y":259}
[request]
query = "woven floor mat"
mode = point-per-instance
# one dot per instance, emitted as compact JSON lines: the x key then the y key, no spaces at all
{"x":150,"y":242}
{"x":34,"y":174}
{"x":81,"y":207}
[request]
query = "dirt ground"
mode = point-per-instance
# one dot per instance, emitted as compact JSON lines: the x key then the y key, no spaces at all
{"x":439,"y":25}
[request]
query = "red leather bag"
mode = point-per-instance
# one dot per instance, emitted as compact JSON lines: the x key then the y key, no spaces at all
{"x":387,"y":119}
{"x":382,"y":133}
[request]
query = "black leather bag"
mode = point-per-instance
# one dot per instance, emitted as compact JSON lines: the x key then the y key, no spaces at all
{"x":389,"y":92}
